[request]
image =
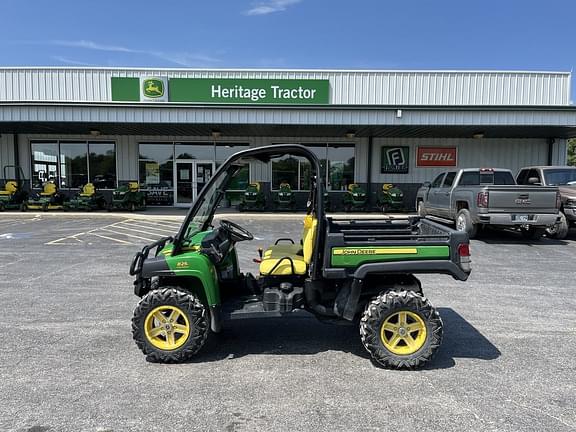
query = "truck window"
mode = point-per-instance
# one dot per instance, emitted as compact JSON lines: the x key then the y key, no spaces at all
{"x":560,"y":176}
{"x":503,"y":178}
{"x":522,"y":177}
{"x":449,"y":180}
{"x":437,"y":181}
{"x":470,"y":178}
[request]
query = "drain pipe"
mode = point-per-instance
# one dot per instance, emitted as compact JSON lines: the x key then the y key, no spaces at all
{"x":551,"y":142}
{"x":16,"y":151}
{"x":369,"y":170}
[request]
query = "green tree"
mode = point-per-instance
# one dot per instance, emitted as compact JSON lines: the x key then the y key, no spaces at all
{"x":572,"y":152}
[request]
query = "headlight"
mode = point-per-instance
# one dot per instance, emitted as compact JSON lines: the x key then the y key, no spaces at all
{"x":570,"y":202}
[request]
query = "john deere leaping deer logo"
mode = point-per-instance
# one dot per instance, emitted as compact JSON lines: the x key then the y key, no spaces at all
{"x":153,"y":88}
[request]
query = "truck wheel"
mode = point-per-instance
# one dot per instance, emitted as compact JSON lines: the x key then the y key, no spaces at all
{"x":170,"y":325}
{"x":420,"y":209}
{"x":560,"y":230}
{"x":401,"y":330}
{"x":464,"y":223}
{"x":532,"y":233}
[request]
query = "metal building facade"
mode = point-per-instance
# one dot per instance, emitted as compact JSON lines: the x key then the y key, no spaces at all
{"x":492,"y":118}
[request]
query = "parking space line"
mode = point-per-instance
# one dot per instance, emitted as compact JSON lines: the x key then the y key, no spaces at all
{"x":149,"y":227}
{"x":163,"y":223}
{"x":122,"y":227}
{"x":110,"y":238}
{"x":125,"y":234}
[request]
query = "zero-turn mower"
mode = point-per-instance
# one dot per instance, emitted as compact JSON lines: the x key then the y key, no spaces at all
{"x":13,"y":194}
{"x":87,"y":199}
{"x":48,"y":199}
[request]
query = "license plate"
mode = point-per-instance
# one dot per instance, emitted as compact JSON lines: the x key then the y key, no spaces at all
{"x":522,"y":218}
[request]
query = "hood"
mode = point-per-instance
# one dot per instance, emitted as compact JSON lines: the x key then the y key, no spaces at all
{"x":568,"y":191}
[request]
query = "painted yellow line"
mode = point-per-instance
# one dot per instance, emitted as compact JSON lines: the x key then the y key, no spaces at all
{"x":125,"y":234}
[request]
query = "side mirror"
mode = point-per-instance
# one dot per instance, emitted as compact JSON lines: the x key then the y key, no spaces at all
{"x":534,"y":181}
{"x":426,"y":185}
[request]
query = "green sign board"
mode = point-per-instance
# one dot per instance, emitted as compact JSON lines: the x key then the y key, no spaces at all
{"x":223,"y":90}
{"x":394,"y":160}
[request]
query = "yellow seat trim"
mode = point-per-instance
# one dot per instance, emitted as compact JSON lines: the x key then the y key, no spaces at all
{"x":9,"y":188}
{"x":283,"y":248}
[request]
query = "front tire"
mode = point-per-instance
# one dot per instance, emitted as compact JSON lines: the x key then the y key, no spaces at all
{"x":560,"y":230}
{"x":170,"y":325}
{"x":401,"y":330}
{"x":464,"y":223}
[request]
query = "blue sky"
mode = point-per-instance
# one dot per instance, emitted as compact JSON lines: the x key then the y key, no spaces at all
{"x":361,"y":34}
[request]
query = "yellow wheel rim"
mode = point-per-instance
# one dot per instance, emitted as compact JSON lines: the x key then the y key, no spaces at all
{"x":403,"y":333}
{"x":167,"y":327}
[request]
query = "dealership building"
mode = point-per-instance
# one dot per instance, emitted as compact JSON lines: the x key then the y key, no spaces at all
{"x":169,"y":129}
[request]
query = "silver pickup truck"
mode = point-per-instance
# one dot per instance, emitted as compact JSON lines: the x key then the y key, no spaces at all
{"x":474,"y":197}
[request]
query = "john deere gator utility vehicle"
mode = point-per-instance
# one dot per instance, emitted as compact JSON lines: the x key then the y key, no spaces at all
{"x":340,"y":270}
{"x":49,"y":198}
{"x":87,"y":199}
{"x":128,"y":197}
{"x":355,"y":198}
{"x":12,"y":194}
{"x":253,"y":198}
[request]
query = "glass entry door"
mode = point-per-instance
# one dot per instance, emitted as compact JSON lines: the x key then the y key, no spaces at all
{"x":190,"y":176}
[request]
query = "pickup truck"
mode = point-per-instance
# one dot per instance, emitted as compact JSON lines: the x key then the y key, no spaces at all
{"x":565,"y":178}
{"x":474,"y":197}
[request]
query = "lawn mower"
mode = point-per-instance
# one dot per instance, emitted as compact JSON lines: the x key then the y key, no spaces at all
{"x":12,"y":194}
{"x":355,"y":198}
{"x":87,"y":199}
{"x":253,"y":198}
{"x":390,"y":198}
{"x":128,"y":197}
{"x":357,"y":271}
{"x":49,"y":199}
{"x":284,"y":199}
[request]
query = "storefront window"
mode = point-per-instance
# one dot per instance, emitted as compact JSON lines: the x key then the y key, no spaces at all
{"x":341,"y":166}
{"x":156,"y":169}
{"x":102,"y":164}
{"x":285,"y":170}
{"x":200,"y":151}
{"x":73,"y":164}
{"x":44,"y":162}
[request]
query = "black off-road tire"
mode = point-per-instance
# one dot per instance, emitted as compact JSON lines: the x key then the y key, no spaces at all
{"x":195,"y":312}
{"x":387,"y":304}
{"x":23,"y":207}
{"x":464,"y":223}
{"x":560,"y":230}
{"x":532,"y":233}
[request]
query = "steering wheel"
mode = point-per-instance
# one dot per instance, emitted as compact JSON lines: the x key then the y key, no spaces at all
{"x":237,"y":233}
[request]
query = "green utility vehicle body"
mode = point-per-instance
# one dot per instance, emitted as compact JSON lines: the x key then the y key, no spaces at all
{"x":355,"y":198}
{"x":390,"y":198}
{"x":341,"y":270}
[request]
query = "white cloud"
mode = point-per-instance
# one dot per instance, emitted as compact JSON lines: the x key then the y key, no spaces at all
{"x":185,"y":59}
{"x":69,"y":61}
{"x":271,"y":6}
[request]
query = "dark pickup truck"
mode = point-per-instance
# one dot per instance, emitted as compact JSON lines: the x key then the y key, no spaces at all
{"x":475,"y":197}
{"x":564,"y":177}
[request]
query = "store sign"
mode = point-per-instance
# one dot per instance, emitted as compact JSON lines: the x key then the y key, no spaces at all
{"x":394,"y":160}
{"x":436,"y":157}
{"x":222,"y":90}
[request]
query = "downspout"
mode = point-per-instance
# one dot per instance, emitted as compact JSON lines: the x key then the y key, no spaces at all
{"x":369,"y":171}
{"x":551,"y":142}
{"x":16,"y":152}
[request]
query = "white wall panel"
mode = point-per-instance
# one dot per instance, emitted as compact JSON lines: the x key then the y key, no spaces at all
{"x":347,"y":87}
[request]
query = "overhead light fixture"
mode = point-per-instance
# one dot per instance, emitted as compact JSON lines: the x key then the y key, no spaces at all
{"x":350,"y":134}
{"x":95,"y":132}
{"x":216,"y":134}
{"x":398,"y":113}
{"x":478,"y":135}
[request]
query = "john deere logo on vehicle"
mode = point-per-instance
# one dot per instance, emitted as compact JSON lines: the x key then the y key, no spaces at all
{"x":373,"y":251}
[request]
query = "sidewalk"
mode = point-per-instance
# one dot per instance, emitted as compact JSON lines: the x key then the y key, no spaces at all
{"x":175,"y":213}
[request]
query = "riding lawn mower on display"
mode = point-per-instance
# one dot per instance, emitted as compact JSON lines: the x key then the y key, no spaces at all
{"x":49,"y":199}
{"x":87,"y":199}
{"x":284,"y":199}
{"x":355,"y":198}
{"x":128,"y":197}
{"x":253,"y":198}
{"x":12,"y":194}
{"x":390,"y":198}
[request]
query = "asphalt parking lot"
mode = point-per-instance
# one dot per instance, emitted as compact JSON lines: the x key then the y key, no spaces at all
{"x":68,"y":362}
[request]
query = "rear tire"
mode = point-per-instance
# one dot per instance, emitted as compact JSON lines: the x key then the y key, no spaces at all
{"x":184,"y":337}
{"x":401,"y":330}
{"x":560,"y":230}
{"x":464,"y":223}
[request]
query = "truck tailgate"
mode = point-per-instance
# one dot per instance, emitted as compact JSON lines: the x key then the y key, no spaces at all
{"x":521,"y":199}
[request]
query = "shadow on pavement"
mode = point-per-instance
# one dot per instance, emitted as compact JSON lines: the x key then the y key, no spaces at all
{"x":495,"y":236}
{"x":305,"y":335}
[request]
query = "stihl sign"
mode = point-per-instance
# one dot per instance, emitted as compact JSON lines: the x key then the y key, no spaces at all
{"x":436,"y":157}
